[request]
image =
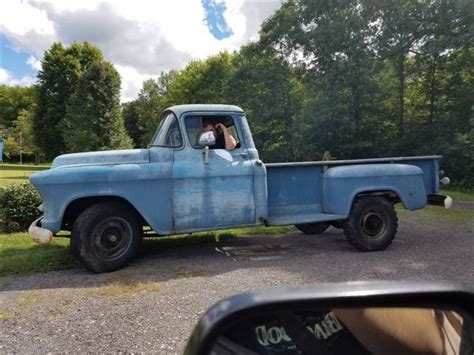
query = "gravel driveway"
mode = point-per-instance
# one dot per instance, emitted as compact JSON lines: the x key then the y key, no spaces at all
{"x":152,"y":305}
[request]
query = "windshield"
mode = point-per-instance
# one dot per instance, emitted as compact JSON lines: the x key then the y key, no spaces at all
{"x":168,"y":133}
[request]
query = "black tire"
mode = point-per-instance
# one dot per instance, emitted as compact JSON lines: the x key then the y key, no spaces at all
{"x":372,"y":223}
{"x":106,"y":236}
{"x":313,"y":228}
{"x":73,"y":246}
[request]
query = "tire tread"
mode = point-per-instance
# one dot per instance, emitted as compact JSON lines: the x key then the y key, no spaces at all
{"x":351,"y":230}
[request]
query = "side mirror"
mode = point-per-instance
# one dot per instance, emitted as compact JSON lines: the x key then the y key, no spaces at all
{"x":362,"y":318}
{"x":206,"y":139}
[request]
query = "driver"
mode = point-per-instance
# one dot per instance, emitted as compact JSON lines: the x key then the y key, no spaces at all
{"x":224,"y":140}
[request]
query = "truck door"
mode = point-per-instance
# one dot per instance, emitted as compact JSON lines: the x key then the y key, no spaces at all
{"x":214,"y":195}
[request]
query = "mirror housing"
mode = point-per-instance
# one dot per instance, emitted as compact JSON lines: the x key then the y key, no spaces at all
{"x":206,"y":139}
{"x":241,"y":308}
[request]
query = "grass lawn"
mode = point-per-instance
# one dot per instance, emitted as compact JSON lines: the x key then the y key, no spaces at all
{"x":458,"y":195}
{"x":20,"y":255}
{"x":16,"y":173}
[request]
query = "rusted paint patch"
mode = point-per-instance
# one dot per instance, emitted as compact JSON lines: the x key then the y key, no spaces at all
{"x":38,"y":234}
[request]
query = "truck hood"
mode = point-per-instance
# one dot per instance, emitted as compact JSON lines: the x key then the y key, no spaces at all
{"x":108,"y":157}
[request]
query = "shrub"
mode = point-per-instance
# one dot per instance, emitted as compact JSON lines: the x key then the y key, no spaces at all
{"x":18,"y":207}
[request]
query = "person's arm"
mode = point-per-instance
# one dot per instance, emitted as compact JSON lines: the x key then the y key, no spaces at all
{"x":230,"y":142}
{"x":394,"y":330}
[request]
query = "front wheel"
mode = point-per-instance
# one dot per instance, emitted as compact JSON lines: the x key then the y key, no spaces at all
{"x":313,"y":228}
{"x":372,"y":223}
{"x":106,"y":236}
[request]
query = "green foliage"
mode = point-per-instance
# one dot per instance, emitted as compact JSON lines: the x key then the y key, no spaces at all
{"x":17,"y":105}
{"x":18,"y":207}
{"x":459,"y":159}
{"x":142,"y":115}
{"x":61,"y":69}
{"x":271,"y":93}
{"x":93,"y":119}
{"x":14,"y":100}
{"x":380,"y":78}
{"x":130,"y":113}
{"x":360,"y":79}
{"x":202,"y":81}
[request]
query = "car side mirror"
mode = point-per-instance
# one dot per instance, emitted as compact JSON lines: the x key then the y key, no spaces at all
{"x":206,"y":139}
{"x":368,"y":317}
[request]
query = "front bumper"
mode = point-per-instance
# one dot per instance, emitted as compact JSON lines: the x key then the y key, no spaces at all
{"x":440,"y":200}
{"x":38,"y":234}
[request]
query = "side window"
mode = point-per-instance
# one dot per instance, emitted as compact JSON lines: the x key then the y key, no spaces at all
{"x":195,"y":125}
{"x":194,"y":129}
{"x":169,"y":134}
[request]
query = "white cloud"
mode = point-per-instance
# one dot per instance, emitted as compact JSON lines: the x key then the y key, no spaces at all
{"x":34,"y":62}
{"x":7,"y":79}
{"x":131,"y":81}
{"x":28,"y":28}
{"x":141,"y":38}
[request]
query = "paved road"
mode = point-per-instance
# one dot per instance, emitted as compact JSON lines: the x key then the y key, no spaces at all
{"x":163,"y":295}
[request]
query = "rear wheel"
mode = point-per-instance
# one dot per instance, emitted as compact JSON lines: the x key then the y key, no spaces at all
{"x":372,"y":223}
{"x":106,"y":236}
{"x":313,"y":228}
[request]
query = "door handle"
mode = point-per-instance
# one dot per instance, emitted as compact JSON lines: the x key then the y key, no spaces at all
{"x":242,"y":154}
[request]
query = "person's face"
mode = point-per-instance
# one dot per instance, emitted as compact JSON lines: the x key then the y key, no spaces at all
{"x":209,"y":128}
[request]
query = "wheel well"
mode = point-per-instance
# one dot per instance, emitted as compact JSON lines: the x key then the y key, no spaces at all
{"x":389,"y":195}
{"x":76,"y":207}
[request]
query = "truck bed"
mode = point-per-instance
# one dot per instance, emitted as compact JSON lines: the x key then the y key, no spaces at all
{"x":295,"y":190}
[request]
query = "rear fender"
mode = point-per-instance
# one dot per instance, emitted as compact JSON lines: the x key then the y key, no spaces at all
{"x":342,"y":184}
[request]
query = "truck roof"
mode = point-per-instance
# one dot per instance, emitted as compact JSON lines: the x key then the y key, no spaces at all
{"x":180,"y":109}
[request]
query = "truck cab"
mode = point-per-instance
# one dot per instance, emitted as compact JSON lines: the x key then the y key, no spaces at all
{"x":184,"y":182}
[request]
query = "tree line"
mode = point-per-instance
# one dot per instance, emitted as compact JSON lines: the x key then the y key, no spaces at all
{"x":358,"y":78}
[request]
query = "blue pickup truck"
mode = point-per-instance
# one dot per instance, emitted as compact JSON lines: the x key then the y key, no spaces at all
{"x":180,"y":184}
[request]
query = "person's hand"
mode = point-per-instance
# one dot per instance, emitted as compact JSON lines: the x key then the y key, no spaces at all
{"x":221,"y":128}
{"x":230,"y":142}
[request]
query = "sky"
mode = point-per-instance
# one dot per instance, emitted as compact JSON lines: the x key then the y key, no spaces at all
{"x":141,"y":38}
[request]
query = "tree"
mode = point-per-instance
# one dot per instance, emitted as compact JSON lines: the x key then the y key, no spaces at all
{"x":14,"y":99}
{"x":330,"y":41}
{"x":270,"y":92}
{"x":149,"y":108}
{"x":399,"y":28}
{"x":61,"y":69}
{"x":93,"y":119}
{"x":130,"y":113}
{"x":142,"y":115}
{"x":202,"y":81}
{"x":22,"y":132}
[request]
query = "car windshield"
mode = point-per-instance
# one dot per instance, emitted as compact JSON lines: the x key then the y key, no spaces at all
{"x":168,"y":133}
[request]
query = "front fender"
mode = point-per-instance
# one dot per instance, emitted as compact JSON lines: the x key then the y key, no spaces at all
{"x":342,"y":184}
{"x":147,"y":187}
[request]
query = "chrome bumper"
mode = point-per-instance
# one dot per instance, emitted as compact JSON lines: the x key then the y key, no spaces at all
{"x":440,"y":200}
{"x":38,"y":234}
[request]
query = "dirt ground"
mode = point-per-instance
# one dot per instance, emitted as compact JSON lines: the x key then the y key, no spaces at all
{"x":153,"y":305}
